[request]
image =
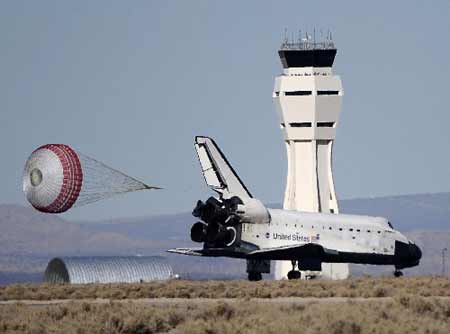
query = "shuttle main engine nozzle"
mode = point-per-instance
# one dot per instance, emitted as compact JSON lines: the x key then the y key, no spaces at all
{"x":221,"y":216}
{"x":213,"y":233}
{"x":198,"y":232}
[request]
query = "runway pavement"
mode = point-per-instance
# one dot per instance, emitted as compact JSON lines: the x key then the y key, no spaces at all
{"x":173,"y":301}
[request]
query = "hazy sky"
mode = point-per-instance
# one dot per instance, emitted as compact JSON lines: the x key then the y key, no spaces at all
{"x":132,"y":82}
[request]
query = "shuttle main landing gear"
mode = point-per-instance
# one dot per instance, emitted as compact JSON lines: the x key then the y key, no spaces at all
{"x":293,"y":274}
{"x":254,"y":276}
{"x":398,"y":273}
{"x":256,"y":267}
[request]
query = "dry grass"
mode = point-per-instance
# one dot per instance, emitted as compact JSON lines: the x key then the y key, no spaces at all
{"x":364,"y":287}
{"x":403,"y":314}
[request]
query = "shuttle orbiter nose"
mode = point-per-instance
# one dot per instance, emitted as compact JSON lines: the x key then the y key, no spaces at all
{"x":415,"y":252}
{"x":407,"y":254}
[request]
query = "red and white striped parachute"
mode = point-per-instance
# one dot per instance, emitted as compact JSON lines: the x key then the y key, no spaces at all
{"x":57,"y":178}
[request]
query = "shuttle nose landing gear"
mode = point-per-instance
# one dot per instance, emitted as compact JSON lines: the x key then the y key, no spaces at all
{"x":293,"y":274}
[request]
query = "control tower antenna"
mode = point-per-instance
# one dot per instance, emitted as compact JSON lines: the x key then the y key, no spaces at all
{"x":308,"y":97}
{"x":285,"y":37}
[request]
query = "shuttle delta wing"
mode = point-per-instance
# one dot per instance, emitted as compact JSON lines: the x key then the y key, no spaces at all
{"x":292,"y":252}
{"x":187,"y":251}
{"x":213,"y":252}
{"x":218,"y":173}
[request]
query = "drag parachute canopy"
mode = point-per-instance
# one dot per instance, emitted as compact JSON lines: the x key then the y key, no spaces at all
{"x":57,"y":178}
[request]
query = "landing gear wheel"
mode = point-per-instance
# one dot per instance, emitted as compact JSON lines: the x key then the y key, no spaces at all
{"x":254,"y":276}
{"x":293,"y":274}
{"x":398,"y":273}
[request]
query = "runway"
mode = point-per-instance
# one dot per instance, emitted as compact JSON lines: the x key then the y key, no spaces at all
{"x":175,"y":301}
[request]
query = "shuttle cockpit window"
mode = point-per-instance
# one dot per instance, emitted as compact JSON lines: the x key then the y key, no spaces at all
{"x":390,"y":225}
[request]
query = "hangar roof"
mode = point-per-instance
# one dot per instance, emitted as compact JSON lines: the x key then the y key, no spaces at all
{"x":107,"y":269}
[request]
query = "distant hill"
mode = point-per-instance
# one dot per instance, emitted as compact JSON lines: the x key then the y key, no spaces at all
{"x":24,"y":231}
{"x":424,"y":212}
{"x":29,"y":239}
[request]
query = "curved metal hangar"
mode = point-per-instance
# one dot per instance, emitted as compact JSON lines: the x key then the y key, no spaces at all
{"x":108,"y":269}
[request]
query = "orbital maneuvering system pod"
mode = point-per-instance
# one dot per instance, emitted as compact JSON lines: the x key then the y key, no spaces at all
{"x":308,"y":100}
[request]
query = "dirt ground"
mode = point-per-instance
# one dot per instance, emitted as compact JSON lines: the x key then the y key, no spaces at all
{"x":402,"y":314}
{"x":409,"y":305}
{"x":362,"y":287}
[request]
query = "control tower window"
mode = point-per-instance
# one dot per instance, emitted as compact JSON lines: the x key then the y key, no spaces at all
{"x":300,"y":125}
{"x":327,"y":92}
{"x":298,"y":92}
{"x":325,"y":124}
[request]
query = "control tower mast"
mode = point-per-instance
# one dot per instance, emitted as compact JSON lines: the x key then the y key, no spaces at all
{"x":308,"y":100}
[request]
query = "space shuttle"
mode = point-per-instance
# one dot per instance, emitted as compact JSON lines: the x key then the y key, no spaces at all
{"x":235,"y":224}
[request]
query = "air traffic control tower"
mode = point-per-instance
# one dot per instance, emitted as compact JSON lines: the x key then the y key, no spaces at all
{"x":308,"y":100}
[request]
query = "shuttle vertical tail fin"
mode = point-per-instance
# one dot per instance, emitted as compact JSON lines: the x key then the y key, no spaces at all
{"x":219,"y":174}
